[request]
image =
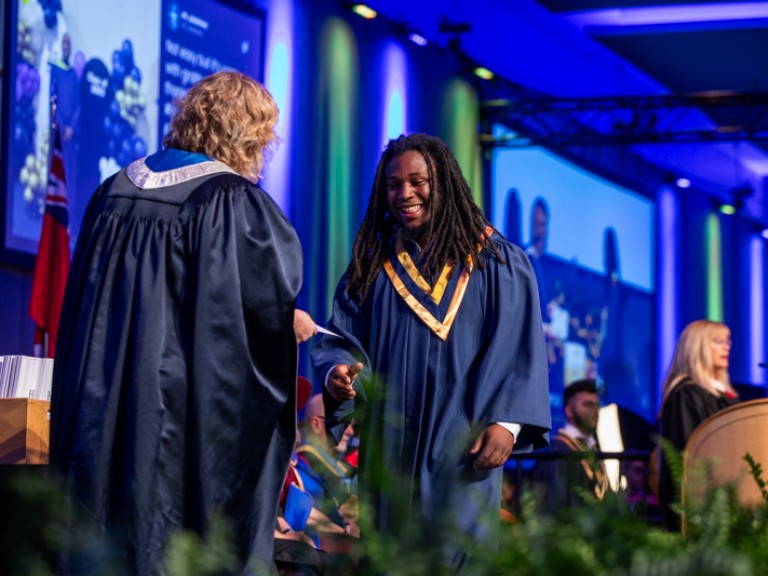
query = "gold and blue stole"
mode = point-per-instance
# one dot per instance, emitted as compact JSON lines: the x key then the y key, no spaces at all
{"x":434,"y":293}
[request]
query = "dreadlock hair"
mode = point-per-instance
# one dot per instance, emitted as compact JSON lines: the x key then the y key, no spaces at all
{"x":455,"y":230}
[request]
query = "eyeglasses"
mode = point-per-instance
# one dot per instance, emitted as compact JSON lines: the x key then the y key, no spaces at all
{"x":723,"y":341}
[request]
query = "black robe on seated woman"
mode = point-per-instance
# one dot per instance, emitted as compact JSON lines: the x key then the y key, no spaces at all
{"x":687,"y":406}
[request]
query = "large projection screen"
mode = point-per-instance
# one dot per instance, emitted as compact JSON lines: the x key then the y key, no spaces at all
{"x":591,"y":243}
{"x":114,"y":68}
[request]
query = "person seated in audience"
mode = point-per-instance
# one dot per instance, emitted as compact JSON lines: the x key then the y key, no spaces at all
{"x":637,"y":490}
{"x":348,"y":447}
{"x":295,"y":552}
{"x":567,"y":479}
{"x":297,"y":544}
{"x":297,"y":508}
{"x":324,"y":472}
{"x":696,"y":386}
{"x":508,"y":498}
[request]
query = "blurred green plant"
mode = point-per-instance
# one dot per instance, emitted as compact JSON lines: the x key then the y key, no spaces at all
{"x":722,"y":538}
{"x":190,"y":555}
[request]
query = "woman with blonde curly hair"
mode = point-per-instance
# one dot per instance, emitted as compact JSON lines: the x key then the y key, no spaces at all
{"x":696,"y":386}
{"x":227,"y":116}
{"x":174,"y":386}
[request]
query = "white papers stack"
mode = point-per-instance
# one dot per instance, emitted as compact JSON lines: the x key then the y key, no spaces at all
{"x":46,"y":377}
{"x":25,"y":377}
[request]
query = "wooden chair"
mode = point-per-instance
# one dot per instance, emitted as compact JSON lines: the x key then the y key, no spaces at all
{"x":714,"y":454}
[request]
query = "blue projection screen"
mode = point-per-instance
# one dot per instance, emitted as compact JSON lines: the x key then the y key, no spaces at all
{"x":115,"y":68}
{"x":591,"y":243}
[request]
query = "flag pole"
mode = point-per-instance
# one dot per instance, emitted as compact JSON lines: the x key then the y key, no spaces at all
{"x":52,"y":263}
{"x":40,"y":345}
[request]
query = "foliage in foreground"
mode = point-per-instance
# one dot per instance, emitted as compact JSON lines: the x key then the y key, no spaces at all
{"x":600,"y":538}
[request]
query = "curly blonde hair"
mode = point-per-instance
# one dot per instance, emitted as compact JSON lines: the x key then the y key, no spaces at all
{"x":227,"y":116}
{"x":693,"y":357}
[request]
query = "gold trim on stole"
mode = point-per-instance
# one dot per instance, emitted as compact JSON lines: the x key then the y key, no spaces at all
{"x":440,"y":329}
{"x":435,"y":292}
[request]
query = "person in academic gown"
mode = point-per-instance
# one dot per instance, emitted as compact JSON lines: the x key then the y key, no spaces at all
{"x":174,"y":384}
{"x":441,"y":351}
{"x":326,"y":476}
{"x":566,"y":479}
{"x":696,"y":387}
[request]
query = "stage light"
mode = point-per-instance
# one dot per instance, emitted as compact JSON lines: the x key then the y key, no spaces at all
{"x":728,"y":209}
{"x":483,"y":73}
{"x":764,"y":233}
{"x":683,"y":183}
{"x":713,"y":13}
{"x":365,"y":11}
{"x":417,"y":39}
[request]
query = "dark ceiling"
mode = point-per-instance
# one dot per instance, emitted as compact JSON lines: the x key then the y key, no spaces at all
{"x":689,"y":79}
{"x":702,"y":48}
{"x":686,"y":57}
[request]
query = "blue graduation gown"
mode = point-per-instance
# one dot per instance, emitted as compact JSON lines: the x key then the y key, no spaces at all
{"x":424,"y":399}
{"x":174,"y":382}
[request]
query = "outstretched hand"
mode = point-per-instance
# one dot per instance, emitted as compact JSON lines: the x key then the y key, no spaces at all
{"x":340,"y":381}
{"x":492,"y":447}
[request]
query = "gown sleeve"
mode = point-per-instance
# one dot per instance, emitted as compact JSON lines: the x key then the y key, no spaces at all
{"x":349,"y":321}
{"x":512,"y":380}
{"x":61,"y":436}
{"x":243,"y":285}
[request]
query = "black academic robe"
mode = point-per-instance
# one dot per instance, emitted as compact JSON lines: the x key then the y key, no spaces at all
{"x":174,"y":382}
{"x":686,"y":406}
{"x":440,"y":366}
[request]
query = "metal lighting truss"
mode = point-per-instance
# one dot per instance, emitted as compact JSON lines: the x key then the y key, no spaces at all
{"x":623,"y":121}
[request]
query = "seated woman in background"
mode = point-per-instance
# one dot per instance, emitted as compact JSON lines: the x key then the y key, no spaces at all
{"x":696,"y":386}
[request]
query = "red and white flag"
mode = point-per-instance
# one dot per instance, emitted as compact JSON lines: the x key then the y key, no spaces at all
{"x":52,"y":265}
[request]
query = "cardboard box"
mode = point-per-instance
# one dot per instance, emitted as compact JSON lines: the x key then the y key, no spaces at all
{"x":24,"y":431}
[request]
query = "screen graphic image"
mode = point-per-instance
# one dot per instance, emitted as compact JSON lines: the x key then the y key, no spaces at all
{"x":590,"y":243}
{"x":112,"y":69}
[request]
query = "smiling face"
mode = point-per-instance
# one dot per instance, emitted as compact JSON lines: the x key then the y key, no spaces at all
{"x":409,"y":191}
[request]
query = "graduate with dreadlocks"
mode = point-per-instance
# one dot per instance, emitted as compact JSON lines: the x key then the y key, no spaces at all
{"x":442,"y":359}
